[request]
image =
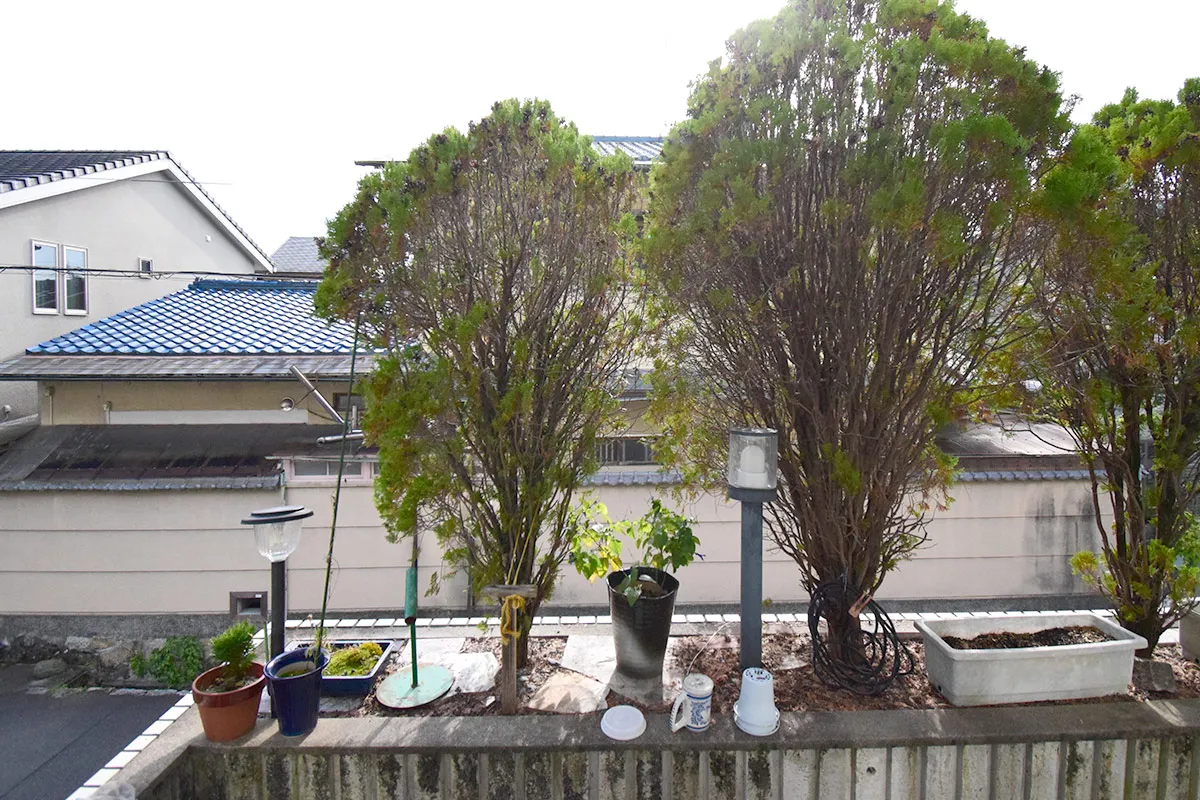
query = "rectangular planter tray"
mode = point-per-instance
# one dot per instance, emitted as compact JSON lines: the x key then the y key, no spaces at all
{"x":1027,"y":674}
{"x":350,"y":685}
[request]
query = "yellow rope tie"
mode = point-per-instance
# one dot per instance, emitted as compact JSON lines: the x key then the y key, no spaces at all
{"x":510,"y":611}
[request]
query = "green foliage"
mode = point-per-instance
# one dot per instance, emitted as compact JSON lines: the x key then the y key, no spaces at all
{"x":356,"y":660}
{"x":1116,"y":342}
{"x":493,"y":271}
{"x":234,"y":647}
{"x":175,"y":664}
{"x":663,"y":538}
{"x":841,"y":232}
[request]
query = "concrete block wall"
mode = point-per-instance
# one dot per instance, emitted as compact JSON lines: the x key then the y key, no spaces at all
{"x":1103,"y":750}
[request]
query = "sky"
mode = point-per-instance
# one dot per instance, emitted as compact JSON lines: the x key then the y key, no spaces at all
{"x":269,"y":104}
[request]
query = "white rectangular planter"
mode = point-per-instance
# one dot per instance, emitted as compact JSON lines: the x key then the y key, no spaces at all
{"x":1189,"y":634}
{"x":1026,"y":674}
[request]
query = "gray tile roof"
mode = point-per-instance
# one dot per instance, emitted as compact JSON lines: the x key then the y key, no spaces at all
{"x":20,"y":169}
{"x":642,"y":149}
{"x":138,"y":457}
{"x":179,"y":368}
{"x":299,"y":256}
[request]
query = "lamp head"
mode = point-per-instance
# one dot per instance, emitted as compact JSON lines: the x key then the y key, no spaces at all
{"x":753,"y":459}
{"x":277,"y":530}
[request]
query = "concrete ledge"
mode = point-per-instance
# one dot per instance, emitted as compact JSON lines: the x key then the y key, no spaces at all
{"x":1118,"y":749}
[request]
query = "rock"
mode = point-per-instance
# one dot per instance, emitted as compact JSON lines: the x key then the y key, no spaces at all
{"x":473,"y":672}
{"x":1153,"y":676}
{"x":116,"y":656}
{"x":81,"y":644}
{"x":569,"y":693}
{"x":49,"y":668}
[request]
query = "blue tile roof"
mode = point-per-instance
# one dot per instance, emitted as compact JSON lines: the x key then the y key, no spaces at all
{"x":642,"y":149}
{"x":213,"y":317}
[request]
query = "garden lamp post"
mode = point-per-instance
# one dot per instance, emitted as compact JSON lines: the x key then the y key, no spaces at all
{"x":752,"y":478}
{"x":277,"y":534}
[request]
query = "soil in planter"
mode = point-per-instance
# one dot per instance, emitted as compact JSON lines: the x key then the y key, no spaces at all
{"x":1052,"y":637}
{"x":299,"y":668}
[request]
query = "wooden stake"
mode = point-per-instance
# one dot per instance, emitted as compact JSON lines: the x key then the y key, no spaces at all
{"x":508,"y":664}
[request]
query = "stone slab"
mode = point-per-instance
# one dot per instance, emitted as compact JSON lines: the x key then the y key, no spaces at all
{"x":593,"y":656}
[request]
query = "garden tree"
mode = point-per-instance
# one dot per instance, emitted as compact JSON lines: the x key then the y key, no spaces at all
{"x":1118,"y":316}
{"x":837,"y":240}
{"x":490,"y":269}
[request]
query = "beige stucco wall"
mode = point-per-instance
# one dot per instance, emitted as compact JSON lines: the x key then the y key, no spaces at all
{"x":117,"y":223}
{"x":82,"y":402}
{"x":183,"y":552}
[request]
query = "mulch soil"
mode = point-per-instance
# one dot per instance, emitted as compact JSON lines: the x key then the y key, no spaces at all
{"x":1078,"y":634}
{"x":786,"y":655}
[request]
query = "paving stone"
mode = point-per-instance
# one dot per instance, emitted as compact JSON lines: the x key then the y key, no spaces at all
{"x":429,"y":649}
{"x":339,"y":705}
{"x":590,"y":655}
{"x":570,"y":693}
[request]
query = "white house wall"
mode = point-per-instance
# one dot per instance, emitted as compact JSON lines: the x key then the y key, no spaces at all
{"x":117,"y":223}
{"x":184,"y":552}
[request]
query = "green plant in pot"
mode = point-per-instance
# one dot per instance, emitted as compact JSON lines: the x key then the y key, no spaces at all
{"x":228,"y":695}
{"x":641,"y":598}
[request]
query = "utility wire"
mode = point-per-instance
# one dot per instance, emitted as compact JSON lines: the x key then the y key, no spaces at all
{"x":117,"y":272}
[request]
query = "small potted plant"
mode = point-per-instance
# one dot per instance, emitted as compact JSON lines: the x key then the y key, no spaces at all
{"x":294,"y":680}
{"x":641,"y":598}
{"x":354,"y":665}
{"x":228,"y":695}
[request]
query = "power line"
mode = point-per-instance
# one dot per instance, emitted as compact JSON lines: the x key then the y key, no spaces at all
{"x":117,"y":272}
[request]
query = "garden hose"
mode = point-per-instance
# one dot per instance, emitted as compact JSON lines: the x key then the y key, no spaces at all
{"x":866,"y":658}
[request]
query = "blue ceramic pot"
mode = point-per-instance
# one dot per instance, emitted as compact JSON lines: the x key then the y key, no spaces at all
{"x":296,"y":690}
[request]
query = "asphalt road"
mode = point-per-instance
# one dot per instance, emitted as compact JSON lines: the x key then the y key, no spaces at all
{"x":50,"y":745}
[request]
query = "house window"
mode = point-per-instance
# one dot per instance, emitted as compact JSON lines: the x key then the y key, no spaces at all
{"x":619,"y":451}
{"x":145,"y":266}
{"x":326,"y":469}
{"x":59,"y":279}
{"x":45,"y":281}
{"x":75,"y":283}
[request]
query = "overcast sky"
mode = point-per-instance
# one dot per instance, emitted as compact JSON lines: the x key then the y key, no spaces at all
{"x":269,"y":104}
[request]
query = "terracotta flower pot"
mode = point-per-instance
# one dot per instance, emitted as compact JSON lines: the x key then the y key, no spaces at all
{"x":228,"y":715}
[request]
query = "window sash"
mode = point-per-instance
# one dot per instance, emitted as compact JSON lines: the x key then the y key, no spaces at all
{"x":75,"y":283}
{"x":45,"y":281}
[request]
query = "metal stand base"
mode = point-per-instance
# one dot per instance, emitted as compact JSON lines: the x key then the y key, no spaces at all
{"x":398,"y":691}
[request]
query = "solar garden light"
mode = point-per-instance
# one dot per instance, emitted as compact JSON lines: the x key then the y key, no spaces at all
{"x":277,"y":534}
{"x":752,"y":479}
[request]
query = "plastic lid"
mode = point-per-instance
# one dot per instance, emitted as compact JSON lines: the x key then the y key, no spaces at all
{"x":623,"y":723}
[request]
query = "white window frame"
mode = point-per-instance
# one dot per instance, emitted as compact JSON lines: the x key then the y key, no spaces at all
{"x":74,"y":312}
{"x":33,"y":245}
{"x":145,"y":273}
{"x":358,"y":473}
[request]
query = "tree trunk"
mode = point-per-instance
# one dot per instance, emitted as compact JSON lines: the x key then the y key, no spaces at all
{"x":845,"y":639}
{"x":1149,"y":628}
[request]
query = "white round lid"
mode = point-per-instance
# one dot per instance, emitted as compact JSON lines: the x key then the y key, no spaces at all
{"x":623,"y":723}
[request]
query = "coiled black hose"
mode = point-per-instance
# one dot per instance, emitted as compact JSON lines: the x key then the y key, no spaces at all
{"x":863,"y":658}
